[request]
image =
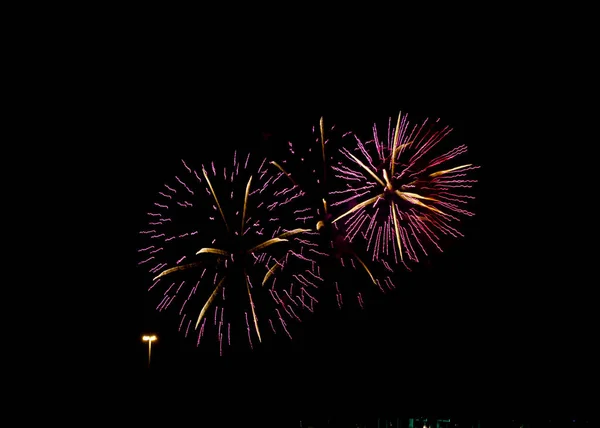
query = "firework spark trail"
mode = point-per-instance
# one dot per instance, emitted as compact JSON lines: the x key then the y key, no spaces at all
{"x":176,"y":238}
{"x":398,"y":194}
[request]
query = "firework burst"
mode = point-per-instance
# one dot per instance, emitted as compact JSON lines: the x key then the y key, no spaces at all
{"x":400,"y":194}
{"x":335,"y":261}
{"x":212,"y":247}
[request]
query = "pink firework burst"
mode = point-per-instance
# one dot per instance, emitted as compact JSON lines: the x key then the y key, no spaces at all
{"x":337,"y":266}
{"x":402,"y":193}
{"x":210,"y":245}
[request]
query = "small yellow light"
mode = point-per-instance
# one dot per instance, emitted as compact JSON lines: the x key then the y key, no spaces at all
{"x":149,"y":339}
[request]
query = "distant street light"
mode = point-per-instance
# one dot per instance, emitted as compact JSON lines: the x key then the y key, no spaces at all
{"x":149,"y":339}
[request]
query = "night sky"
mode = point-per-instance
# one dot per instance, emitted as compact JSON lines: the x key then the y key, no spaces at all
{"x":475,"y":324}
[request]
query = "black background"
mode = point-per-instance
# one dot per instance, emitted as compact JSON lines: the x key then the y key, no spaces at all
{"x":480,"y":327}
